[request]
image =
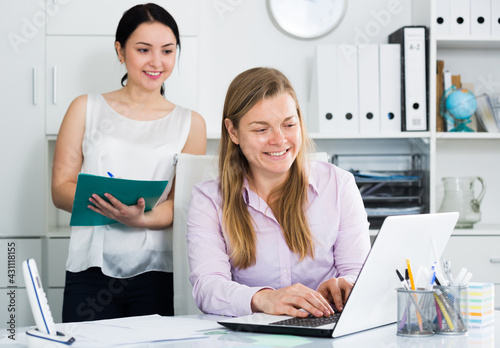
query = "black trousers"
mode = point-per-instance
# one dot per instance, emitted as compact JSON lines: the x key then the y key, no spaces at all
{"x":91,"y":295}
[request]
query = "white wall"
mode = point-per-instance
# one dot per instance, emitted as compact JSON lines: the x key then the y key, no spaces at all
{"x":235,"y":35}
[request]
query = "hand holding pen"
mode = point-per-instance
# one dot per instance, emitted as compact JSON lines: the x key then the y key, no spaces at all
{"x":130,"y":215}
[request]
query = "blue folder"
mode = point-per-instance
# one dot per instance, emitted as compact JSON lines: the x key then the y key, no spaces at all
{"x":125,"y":190}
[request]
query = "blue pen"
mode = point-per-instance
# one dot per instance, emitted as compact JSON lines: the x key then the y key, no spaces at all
{"x":111,"y":175}
{"x":433,"y":278}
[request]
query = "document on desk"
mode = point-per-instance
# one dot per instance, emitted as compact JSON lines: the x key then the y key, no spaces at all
{"x":125,"y":190}
{"x":132,"y":330}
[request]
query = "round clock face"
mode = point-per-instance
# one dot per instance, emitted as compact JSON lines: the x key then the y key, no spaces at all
{"x":307,"y":19}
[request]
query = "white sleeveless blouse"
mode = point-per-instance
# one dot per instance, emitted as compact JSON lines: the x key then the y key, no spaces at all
{"x":129,"y":149}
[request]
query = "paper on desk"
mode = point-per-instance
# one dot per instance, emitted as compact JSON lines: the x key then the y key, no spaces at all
{"x":137,"y":330}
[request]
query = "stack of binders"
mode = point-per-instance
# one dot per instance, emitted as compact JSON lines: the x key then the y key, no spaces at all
{"x":356,"y":89}
{"x":468,"y":17}
{"x":375,"y":88}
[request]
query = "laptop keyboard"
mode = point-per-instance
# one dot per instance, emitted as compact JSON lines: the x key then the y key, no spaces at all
{"x":309,"y":321}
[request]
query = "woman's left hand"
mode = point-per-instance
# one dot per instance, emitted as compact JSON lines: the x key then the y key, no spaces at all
{"x":336,"y":290}
{"x":130,"y":215}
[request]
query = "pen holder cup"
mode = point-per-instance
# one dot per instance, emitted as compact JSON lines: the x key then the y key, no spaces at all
{"x":416,"y":312}
{"x":452,"y":310}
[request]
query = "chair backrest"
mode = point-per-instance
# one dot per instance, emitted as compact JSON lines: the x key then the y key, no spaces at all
{"x":318,"y":156}
{"x":190,"y":170}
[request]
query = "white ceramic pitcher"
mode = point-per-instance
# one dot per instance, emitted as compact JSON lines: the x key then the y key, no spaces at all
{"x":459,"y":196}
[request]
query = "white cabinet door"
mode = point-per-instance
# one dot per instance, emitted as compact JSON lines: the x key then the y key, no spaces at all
{"x":22,"y":139}
{"x":181,"y":87}
{"x":57,"y":254}
{"x":78,"y":65}
{"x":478,"y":254}
{"x":12,"y":253}
{"x":98,"y":17}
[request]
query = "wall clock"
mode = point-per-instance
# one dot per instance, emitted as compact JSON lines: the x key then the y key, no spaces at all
{"x":307,"y":19}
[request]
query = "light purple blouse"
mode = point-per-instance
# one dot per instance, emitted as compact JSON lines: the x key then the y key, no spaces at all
{"x":337,"y":220}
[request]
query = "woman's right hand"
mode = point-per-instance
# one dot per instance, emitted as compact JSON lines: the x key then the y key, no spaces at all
{"x":290,"y":300}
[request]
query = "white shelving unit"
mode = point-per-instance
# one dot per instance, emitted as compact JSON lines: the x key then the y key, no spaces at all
{"x":467,"y":42}
{"x":468,"y":154}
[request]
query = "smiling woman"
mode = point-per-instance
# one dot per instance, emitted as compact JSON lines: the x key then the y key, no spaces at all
{"x":270,"y":139}
{"x":255,"y":233}
{"x":149,"y":54}
{"x":125,"y":269}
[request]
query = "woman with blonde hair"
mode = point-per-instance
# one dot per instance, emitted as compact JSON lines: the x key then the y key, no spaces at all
{"x":274,"y":233}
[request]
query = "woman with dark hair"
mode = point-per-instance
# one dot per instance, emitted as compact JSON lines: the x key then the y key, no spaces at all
{"x":274,"y":233}
{"x":125,"y":269}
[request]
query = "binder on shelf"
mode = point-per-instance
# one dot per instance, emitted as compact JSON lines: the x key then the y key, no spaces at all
{"x":324,"y":114}
{"x":450,"y":80}
{"x":460,"y":17}
{"x":368,"y":87}
{"x":414,"y":91}
{"x":390,"y":88}
{"x":347,"y":70}
{"x":439,"y":94}
{"x":495,"y":17}
{"x":480,"y":17}
{"x":486,"y":115}
{"x":443,"y":17}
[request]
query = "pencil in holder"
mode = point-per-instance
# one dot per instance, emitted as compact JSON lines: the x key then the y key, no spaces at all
{"x":416,"y":312}
{"x":452,"y":309}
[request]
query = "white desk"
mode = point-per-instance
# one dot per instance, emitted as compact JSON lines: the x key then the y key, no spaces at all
{"x":384,"y":337}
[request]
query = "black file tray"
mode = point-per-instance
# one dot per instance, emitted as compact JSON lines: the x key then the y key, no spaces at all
{"x":387,"y":192}
{"x":402,"y":187}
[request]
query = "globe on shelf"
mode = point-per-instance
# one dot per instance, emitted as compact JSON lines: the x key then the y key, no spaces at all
{"x":458,"y":106}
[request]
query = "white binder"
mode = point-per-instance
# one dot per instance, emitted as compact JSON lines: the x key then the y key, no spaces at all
{"x":368,"y":88}
{"x":495,"y":17}
{"x":460,"y":17}
{"x":413,"y":76}
{"x":323,"y":101}
{"x":447,"y":83}
{"x":443,"y":17}
{"x":347,"y":72}
{"x":390,"y":88}
{"x":480,"y":17}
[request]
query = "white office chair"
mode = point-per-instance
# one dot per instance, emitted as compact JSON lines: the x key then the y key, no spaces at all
{"x":190,"y":170}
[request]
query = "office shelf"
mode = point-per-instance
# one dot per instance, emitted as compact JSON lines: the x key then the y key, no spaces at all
{"x":467,"y":42}
{"x":400,"y":135}
{"x":471,"y":135}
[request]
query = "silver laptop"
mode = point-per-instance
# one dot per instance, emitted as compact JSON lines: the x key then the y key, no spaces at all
{"x":373,"y":301}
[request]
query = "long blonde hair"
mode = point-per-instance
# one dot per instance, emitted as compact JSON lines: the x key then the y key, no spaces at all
{"x":245,"y":91}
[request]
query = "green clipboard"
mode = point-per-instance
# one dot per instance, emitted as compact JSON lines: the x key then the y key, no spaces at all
{"x":125,"y":190}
